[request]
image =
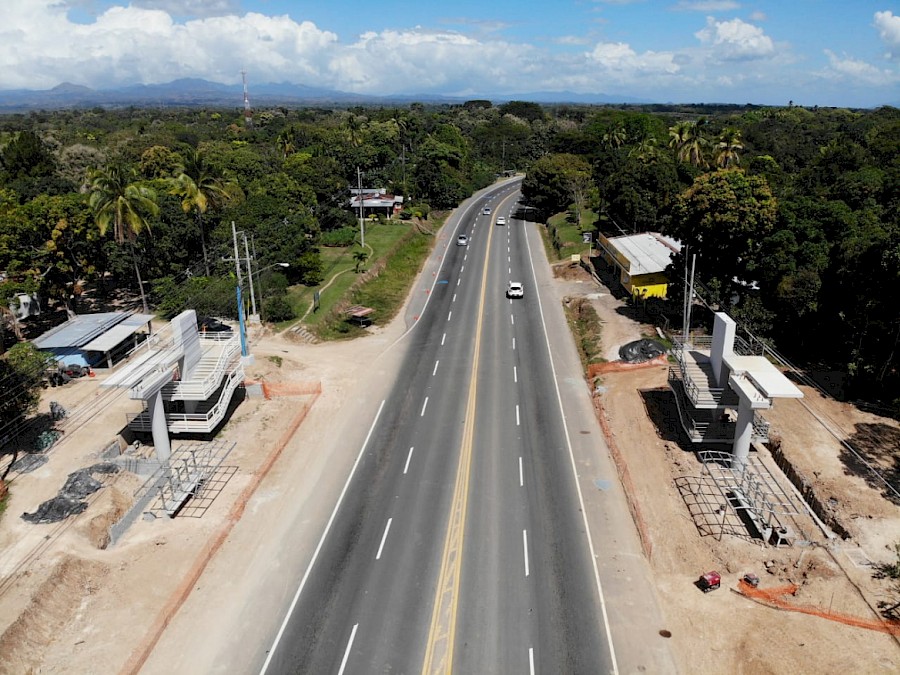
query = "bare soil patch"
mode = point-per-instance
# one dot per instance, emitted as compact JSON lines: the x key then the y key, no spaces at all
{"x":723,"y":631}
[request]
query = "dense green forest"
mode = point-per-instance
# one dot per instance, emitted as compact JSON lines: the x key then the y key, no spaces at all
{"x":793,"y":213}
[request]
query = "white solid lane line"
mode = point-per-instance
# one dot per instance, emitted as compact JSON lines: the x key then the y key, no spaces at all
{"x":347,"y":650}
{"x":315,"y":555}
{"x":424,"y":405}
{"x":434,"y":372}
{"x":525,"y":549}
{"x":387,"y":528}
{"x":408,"y":457}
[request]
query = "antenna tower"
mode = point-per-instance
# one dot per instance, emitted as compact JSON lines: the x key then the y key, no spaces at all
{"x":248,"y":114}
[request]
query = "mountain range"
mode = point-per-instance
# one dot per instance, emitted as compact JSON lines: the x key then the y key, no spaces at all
{"x":191,"y":92}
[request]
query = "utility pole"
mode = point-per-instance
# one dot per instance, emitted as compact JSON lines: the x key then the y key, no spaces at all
{"x":250,"y":276}
{"x":240,"y":299}
{"x":362,"y":220}
{"x":688,"y":305}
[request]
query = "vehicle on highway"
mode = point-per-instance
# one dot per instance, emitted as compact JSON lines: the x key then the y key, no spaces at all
{"x":501,"y":220}
{"x":515,"y":289}
{"x":462,"y":240}
{"x":486,"y":211}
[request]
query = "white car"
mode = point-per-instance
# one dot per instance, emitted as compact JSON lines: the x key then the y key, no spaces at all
{"x":515,"y":290}
{"x":501,"y":220}
{"x":462,"y":240}
{"x":486,"y":211}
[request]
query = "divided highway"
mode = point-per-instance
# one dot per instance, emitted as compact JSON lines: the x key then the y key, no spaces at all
{"x":459,"y":543}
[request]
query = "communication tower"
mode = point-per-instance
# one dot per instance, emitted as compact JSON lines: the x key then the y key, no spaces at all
{"x":248,"y":114}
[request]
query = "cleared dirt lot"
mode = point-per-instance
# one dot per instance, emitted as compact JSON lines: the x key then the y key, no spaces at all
{"x":724,"y":631}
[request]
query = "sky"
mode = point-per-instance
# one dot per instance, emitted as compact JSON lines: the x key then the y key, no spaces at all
{"x":811,"y":52}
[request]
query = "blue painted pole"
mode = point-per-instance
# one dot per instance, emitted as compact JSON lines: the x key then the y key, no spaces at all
{"x":243,"y":327}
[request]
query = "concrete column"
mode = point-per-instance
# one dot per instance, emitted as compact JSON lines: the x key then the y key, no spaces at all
{"x":159,"y":427}
{"x":740,"y":452}
{"x":722,"y":347}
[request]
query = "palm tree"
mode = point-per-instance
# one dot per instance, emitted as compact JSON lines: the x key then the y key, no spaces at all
{"x":287,"y":142}
{"x":120,"y":199}
{"x":615,"y":137}
{"x":688,"y":143}
{"x":201,"y":187}
{"x":646,"y":150}
{"x":729,"y":148}
{"x":360,"y":258}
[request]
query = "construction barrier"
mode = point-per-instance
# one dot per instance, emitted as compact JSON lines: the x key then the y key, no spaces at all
{"x":776,"y":598}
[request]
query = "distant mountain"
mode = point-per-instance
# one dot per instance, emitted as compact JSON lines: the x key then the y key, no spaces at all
{"x":571,"y":97}
{"x":190,"y":92}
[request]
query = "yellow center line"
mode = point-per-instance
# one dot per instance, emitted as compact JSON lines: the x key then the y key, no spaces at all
{"x":441,"y":636}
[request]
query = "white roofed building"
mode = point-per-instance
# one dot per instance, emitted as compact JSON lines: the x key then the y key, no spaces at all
{"x":641,"y":260}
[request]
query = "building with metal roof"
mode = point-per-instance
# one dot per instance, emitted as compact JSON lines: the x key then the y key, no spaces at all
{"x":94,"y":339}
{"x":641,"y":260}
{"x":375,"y":200}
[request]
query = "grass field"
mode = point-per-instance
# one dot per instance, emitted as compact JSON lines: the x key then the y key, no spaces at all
{"x":396,"y":250}
{"x":563,"y":238}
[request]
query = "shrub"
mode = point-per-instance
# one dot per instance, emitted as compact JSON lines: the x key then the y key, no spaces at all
{"x":277,"y":309}
{"x":344,"y":236}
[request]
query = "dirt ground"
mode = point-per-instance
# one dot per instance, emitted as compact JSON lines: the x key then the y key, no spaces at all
{"x":67,"y":605}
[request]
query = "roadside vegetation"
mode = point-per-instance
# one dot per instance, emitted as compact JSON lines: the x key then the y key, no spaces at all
{"x":586,"y":328}
{"x":793,"y":213}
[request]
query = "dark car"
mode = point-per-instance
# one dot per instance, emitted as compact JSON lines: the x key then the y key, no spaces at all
{"x":208,"y":324}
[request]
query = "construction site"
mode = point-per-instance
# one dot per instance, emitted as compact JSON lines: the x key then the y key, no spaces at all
{"x":730,"y":465}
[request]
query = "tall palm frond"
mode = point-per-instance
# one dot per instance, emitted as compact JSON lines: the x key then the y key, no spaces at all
{"x":118,"y":198}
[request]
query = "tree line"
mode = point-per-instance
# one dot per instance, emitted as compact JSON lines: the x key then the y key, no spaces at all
{"x":791,"y":212}
{"x":793,"y":215}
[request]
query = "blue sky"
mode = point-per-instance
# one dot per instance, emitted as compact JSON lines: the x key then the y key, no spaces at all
{"x":812,"y":52}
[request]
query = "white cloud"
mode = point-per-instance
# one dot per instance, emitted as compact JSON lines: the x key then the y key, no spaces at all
{"x":888,"y":27}
{"x":707,"y":5}
{"x":571,"y":40}
{"x":620,"y":58}
{"x":857,"y":71}
{"x":735,"y":40}
{"x":191,"y":8}
{"x":127,"y":45}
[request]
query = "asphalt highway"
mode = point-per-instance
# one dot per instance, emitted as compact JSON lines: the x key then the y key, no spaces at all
{"x":459,"y":543}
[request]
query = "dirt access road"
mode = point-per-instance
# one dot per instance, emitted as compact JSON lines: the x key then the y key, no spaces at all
{"x":67,"y":605}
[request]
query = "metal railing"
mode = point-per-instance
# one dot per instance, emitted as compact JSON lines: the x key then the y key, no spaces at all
{"x":203,"y":422}
{"x":202,"y":388}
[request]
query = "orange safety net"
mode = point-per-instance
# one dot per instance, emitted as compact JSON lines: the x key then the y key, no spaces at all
{"x":776,"y":597}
